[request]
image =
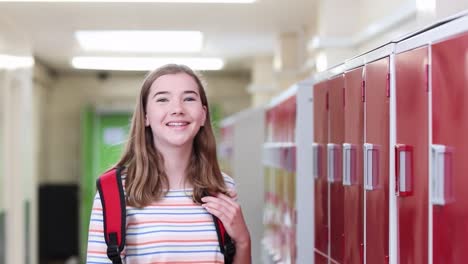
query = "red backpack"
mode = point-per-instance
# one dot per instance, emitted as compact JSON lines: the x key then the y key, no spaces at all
{"x":110,"y":186}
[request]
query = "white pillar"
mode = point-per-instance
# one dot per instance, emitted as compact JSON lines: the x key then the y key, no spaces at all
{"x":2,"y":168}
{"x":13,"y":194}
{"x":264,"y":85}
{"x":19,"y":167}
{"x":290,"y":57}
{"x":273,"y":74}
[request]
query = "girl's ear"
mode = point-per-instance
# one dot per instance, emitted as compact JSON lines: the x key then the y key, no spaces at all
{"x":146,"y":121}
{"x":204,"y":116}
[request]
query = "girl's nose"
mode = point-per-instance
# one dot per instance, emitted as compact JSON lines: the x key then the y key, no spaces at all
{"x":177,"y":108}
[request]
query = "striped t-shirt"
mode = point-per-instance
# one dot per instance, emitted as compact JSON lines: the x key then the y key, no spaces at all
{"x":171,"y":230}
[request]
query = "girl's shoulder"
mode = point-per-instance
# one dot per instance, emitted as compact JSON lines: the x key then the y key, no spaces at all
{"x":230,"y":183}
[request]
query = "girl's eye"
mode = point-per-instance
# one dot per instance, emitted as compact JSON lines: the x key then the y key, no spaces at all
{"x":189,"y":99}
{"x":161,"y":100}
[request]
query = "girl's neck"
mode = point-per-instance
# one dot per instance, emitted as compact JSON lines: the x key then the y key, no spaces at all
{"x":176,"y":161}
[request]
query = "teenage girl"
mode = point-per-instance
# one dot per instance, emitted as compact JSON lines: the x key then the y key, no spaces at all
{"x":172,"y":181}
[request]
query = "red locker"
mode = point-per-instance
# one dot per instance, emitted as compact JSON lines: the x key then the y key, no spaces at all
{"x":376,"y":160}
{"x":335,"y":142}
{"x":352,"y":167}
{"x":450,"y":150}
{"x":320,"y":121}
{"x":411,"y":155}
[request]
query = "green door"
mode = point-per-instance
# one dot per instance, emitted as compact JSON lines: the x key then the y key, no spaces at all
{"x":103,"y":138}
{"x":112,"y":136}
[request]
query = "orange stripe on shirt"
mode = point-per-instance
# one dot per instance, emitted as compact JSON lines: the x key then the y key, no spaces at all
{"x":98,"y":252}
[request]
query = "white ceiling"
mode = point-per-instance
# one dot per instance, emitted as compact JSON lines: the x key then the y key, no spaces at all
{"x":235,"y":32}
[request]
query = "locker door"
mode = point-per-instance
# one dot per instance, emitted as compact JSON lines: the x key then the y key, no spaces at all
{"x":450,"y":150}
{"x":411,"y":156}
{"x":336,"y":138}
{"x":376,"y":161}
{"x":320,"y":171}
{"x":352,"y":167}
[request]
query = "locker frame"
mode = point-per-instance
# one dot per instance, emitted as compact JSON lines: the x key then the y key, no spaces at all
{"x":304,"y":180}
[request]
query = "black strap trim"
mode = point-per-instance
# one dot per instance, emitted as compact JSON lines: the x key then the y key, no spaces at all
{"x":218,"y":232}
{"x":226,"y":244}
{"x":229,"y":249}
{"x":113,"y":252}
{"x":123,"y":207}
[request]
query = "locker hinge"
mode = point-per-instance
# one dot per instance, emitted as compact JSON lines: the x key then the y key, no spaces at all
{"x":363,"y":90}
{"x":326,"y":101}
{"x":388,"y":84}
{"x":427,"y":78}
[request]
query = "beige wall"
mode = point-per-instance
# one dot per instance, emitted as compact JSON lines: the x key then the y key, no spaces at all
{"x":69,"y":93}
{"x":449,"y":7}
{"x":371,"y":11}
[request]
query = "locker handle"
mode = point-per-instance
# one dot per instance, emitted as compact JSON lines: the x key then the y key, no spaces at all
{"x":333,"y":162}
{"x":441,"y":175}
{"x":371,"y":166}
{"x":349,"y":164}
{"x":316,"y":160}
{"x":404,"y":170}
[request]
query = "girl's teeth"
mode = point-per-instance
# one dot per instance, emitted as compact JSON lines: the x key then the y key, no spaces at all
{"x":177,"y":124}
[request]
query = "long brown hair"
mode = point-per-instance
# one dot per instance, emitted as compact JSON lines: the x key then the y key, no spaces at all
{"x":146,"y":179}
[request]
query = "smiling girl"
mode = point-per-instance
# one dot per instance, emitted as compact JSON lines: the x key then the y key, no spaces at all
{"x":172,"y":181}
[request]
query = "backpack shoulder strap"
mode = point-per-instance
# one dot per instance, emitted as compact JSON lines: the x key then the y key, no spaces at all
{"x":112,"y":196}
{"x":225,"y":242}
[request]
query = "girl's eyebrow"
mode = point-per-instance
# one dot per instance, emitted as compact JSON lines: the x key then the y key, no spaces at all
{"x":166,"y":92}
{"x":158,"y":93}
{"x":190,"y":92}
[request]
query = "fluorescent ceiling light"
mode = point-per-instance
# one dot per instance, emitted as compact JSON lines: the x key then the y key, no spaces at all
{"x":426,"y":5}
{"x":140,"y":41}
{"x":142,"y":1}
{"x":143,"y":64}
{"x":15,"y":62}
{"x":321,"y":62}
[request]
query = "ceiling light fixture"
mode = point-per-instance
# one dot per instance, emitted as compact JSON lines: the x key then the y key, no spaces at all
{"x":143,"y":64}
{"x":15,"y":62}
{"x":140,"y":40}
{"x":142,"y":1}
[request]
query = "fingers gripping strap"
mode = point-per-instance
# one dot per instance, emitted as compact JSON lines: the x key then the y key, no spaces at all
{"x":113,"y":206}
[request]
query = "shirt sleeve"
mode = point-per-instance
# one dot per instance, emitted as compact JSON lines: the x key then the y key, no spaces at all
{"x":97,"y":247}
{"x":231,"y":185}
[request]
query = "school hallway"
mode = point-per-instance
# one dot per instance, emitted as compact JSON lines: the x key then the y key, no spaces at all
{"x":342,"y":123}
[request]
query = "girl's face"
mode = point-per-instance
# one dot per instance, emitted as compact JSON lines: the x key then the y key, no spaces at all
{"x":174,"y":110}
